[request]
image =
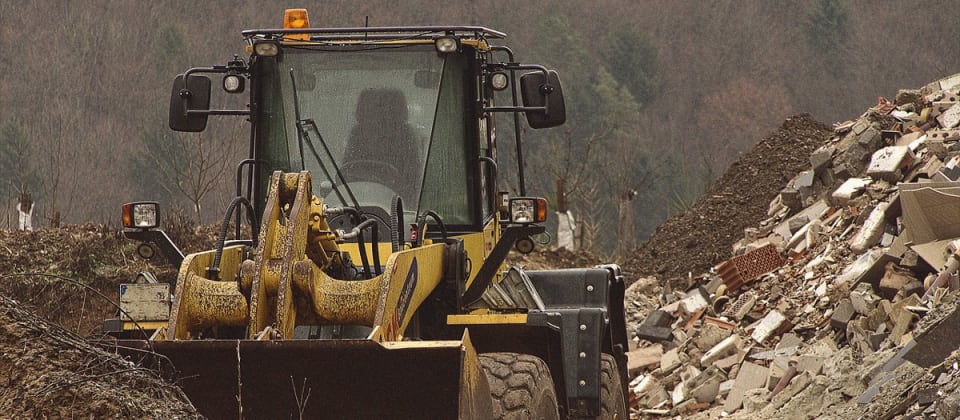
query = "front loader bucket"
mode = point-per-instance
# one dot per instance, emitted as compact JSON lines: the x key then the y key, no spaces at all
{"x":327,"y":379}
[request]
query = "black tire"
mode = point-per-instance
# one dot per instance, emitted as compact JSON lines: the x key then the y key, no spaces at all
{"x":612,"y":405}
{"x":521,"y":386}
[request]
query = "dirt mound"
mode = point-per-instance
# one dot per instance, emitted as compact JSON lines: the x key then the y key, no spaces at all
{"x":702,"y":236}
{"x":50,"y":372}
{"x":56,"y":291}
{"x":553,"y":258}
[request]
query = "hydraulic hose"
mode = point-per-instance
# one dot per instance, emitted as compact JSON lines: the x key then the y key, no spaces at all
{"x":213,"y":272}
{"x":396,"y":223}
{"x":421,"y":224}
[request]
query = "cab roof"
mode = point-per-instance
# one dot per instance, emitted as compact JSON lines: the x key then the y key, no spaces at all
{"x":379,"y":34}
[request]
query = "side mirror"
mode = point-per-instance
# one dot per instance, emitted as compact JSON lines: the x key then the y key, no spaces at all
{"x":538,"y":92}
{"x":193,"y":95}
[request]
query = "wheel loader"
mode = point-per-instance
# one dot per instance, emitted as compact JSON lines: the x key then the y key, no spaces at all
{"x":373,"y":282}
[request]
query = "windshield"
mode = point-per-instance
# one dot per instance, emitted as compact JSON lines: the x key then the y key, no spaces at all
{"x":370,"y":125}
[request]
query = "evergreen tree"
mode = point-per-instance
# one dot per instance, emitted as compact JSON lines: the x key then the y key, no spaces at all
{"x":632,"y":60}
{"x":826,"y":28}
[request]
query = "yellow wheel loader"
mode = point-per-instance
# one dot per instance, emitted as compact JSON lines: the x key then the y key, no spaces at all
{"x":373,"y":285}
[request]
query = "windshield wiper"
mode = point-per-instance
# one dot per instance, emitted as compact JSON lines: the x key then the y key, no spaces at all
{"x":303,"y":136}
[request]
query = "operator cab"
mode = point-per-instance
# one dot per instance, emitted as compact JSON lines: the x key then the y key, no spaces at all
{"x":372,"y":126}
{"x":394,"y":123}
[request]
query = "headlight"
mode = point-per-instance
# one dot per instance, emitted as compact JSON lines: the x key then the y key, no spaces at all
{"x":266,"y":49}
{"x":499,"y":81}
{"x":447,"y":44}
{"x":141,"y":215}
{"x":528,"y":210}
{"x":233,"y":83}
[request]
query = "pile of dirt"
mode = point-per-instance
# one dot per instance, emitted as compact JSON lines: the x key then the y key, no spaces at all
{"x":47,"y":371}
{"x":58,"y":287}
{"x":703,"y":236}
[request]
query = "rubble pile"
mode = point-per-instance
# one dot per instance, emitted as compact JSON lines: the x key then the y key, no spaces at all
{"x":699,"y":238}
{"x":842,"y":302}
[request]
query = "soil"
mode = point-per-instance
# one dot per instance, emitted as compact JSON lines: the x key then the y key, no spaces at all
{"x":57,"y":288}
{"x":703,"y":236}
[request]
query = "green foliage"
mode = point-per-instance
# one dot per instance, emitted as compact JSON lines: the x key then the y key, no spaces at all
{"x":826,"y":28}
{"x":172,"y":52}
{"x":632,"y":60}
{"x":17,"y":166}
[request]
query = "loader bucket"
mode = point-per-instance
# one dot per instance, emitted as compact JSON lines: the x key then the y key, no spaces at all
{"x":326,"y":379}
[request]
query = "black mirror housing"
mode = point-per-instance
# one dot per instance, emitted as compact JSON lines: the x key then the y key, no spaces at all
{"x":540,"y":91}
{"x":193,"y":95}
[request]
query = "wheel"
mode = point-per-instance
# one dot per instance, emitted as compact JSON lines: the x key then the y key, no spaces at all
{"x":612,"y":405}
{"x":521,"y":386}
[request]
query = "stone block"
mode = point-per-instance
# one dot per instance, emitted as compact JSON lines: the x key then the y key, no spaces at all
{"x":841,"y":172}
{"x":949,"y":118}
{"x":842,"y":315}
{"x":869,"y":139}
{"x":822,"y":159}
{"x":913,"y":287}
{"x":670,"y":360}
{"x":908,"y":96}
{"x":894,"y":279}
{"x":655,"y":334}
{"x":790,"y":198}
{"x":709,"y":335}
{"x":937,"y":147}
{"x":658,"y":318}
{"x":889,"y":163}
{"x":729,"y":345}
{"x":797,"y":223}
{"x":768,"y":326}
{"x":706,"y":386}
{"x":850,"y":189}
{"x":863,"y":299}
{"x":643,"y":357}
{"x":650,"y":393}
{"x":871,"y":230}
{"x":804,"y":180}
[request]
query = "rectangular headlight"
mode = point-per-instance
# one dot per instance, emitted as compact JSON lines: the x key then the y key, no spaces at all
{"x":141,"y":215}
{"x":528,"y":210}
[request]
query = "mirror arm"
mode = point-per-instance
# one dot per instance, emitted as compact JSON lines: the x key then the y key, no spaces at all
{"x":185,"y":93}
{"x":218,"y":112}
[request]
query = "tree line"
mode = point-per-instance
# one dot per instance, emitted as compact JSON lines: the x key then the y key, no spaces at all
{"x":661,"y":96}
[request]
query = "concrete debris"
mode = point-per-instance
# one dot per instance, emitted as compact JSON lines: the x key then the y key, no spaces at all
{"x":844,"y":302}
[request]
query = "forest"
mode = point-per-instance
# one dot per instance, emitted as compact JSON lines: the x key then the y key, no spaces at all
{"x":661,"y":96}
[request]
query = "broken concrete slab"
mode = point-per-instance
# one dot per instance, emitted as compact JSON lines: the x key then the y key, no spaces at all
{"x":650,"y":393}
{"x":670,"y":360}
{"x":768,"y":325}
{"x":822,"y":159}
{"x":643,"y":358}
{"x":889,"y":163}
{"x":729,"y":345}
{"x":871,"y":231}
{"x":931,"y":211}
{"x":934,"y":253}
{"x":849,"y":189}
{"x":934,"y":344}
{"x":750,"y":376}
{"x":706,"y":386}
{"x":709,"y":335}
{"x":863,"y":299}
{"x":894,"y":279}
{"x":842,"y":315}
